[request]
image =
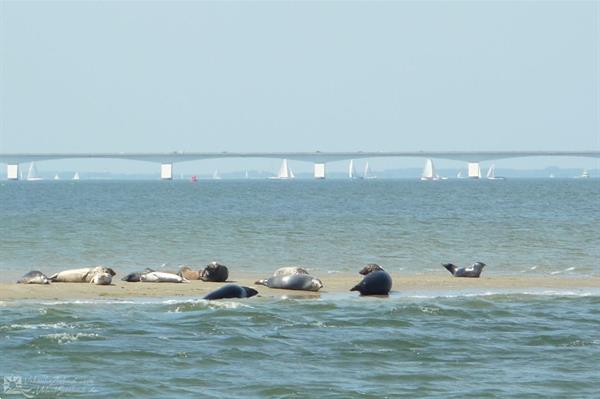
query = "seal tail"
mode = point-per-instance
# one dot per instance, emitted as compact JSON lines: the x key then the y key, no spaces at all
{"x":355,"y":288}
{"x":261,"y":282}
{"x":450,"y":267}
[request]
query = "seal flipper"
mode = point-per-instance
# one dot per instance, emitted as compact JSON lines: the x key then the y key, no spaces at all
{"x":450,"y":267}
{"x":356,"y":287}
{"x":262,"y":282}
{"x":53,"y":277}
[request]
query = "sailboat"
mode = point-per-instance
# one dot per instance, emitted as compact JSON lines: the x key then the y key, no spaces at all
{"x":246,"y":174}
{"x":367,"y":174}
{"x":56,"y":177}
{"x":584,"y":174}
{"x":284,"y":172}
{"x":429,"y":172}
{"x":491,"y":173}
{"x":459,"y":175}
{"x":32,"y":174}
{"x":216,"y":175}
{"x":76,"y":176}
{"x":352,"y":171}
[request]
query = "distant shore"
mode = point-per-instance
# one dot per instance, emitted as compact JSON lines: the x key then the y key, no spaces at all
{"x":427,"y":283}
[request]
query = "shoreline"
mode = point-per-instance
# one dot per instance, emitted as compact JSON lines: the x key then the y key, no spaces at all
{"x":333,"y":284}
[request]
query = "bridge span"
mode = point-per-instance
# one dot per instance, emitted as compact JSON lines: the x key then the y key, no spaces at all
{"x":167,"y":159}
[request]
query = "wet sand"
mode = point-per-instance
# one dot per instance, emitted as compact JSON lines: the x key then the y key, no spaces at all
{"x":428,"y":283}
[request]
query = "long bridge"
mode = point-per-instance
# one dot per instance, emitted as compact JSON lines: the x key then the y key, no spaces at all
{"x":167,"y":159}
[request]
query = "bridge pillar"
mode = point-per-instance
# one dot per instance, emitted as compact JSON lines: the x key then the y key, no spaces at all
{"x":166,"y":171}
{"x":474,"y":170}
{"x":319,"y":170}
{"x":12,"y":171}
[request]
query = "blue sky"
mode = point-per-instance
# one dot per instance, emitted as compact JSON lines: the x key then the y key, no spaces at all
{"x":299,"y":76}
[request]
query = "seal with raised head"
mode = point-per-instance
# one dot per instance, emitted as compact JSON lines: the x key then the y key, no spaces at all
{"x":289,"y":270}
{"x":371,"y":267}
{"x":135,"y":276}
{"x":302,"y":282}
{"x":83,"y":275}
{"x":378,"y":282}
{"x":472,"y":271}
{"x":34,"y":277}
{"x":215,"y":272}
{"x":162,"y":277}
{"x":188,"y":273}
{"x":231,"y":291}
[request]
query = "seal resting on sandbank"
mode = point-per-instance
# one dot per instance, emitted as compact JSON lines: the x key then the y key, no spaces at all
{"x":472,"y":271}
{"x":231,"y":291}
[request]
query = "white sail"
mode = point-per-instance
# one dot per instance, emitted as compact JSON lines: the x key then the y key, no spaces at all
{"x":367,"y":174}
{"x":429,"y":172}
{"x":459,"y":175}
{"x":32,"y":173}
{"x":56,"y":177}
{"x":76,"y":176}
{"x":491,"y":173}
{"x":352,"y":170}
{"x":246,"y":174}
{"x":284,"y":171}
{"x":216,"y":175}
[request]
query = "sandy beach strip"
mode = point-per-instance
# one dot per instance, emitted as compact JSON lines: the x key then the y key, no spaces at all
{"x":432,"y":283}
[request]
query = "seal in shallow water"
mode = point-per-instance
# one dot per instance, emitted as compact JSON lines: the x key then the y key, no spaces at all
{"x":472,"y":271}
{"x":34,"y":277}
{"x":375,"y":283}
{"x":231,"y":291}
{"x":302,"y":282}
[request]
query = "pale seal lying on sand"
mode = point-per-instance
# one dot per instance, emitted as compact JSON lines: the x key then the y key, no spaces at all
{"x":231,"y":291}
{"x":83,"y":275}
{"x":34,"y":277}
{"x":162,"y":277}
{"x":472,"y":271}
{"x":135,"y":276}
{"x":288,"y":271}
{"x":215,"y":272}
{"x":188,"y":273}
{"x":371,"y":267}
{"x":302,"y":282}
{"x":375,"y":283}
{"x":102,"y":278}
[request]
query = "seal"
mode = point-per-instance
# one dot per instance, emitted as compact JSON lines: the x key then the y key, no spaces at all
{"x":187,"y":273}
{"x":135,"y":276}
{"x":215,"y":272}
{"x":375,"y":283}
{"x":371,"y":267}
{"x":101,"y":278}
{"x":162,"y":277}
{"x":34,"y":277}
{"x":472,"y":271}
{"x":83,"y":275}
{"x":231,"y":291}
{"x":288,"y":271}
{"x":302,"y":282}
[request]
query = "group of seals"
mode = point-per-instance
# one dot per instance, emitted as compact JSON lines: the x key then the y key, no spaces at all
{"x":213,"y":272}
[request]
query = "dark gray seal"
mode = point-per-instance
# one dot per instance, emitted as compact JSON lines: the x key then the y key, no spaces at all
{"x":231,"y":291}
{"x":472,"y":271}
{"x":375,"y":283}
{"x":302,"y":282}
{"x":34,"y":277}
{"x":136,"y":276}
{"x":371,"y":267}
{"x":215,"y":272}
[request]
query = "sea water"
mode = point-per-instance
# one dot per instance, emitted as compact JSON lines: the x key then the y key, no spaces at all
{"x":437,"y":345}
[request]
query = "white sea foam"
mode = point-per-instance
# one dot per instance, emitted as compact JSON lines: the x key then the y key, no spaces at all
{"x":43,"y":326}
{"x":63,"y":338}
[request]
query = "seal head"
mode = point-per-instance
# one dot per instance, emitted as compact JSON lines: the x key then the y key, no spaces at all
{"x":371,"y":267}
{"x":215,"y":272}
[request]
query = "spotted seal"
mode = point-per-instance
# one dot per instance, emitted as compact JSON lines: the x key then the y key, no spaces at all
{"x":472,"y":271}
{"x":231,"y":291}
{"x":83,"y":275}
{"x":34,"y":277}
{"x":303,"y":282}
{"x":378,"y":282}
